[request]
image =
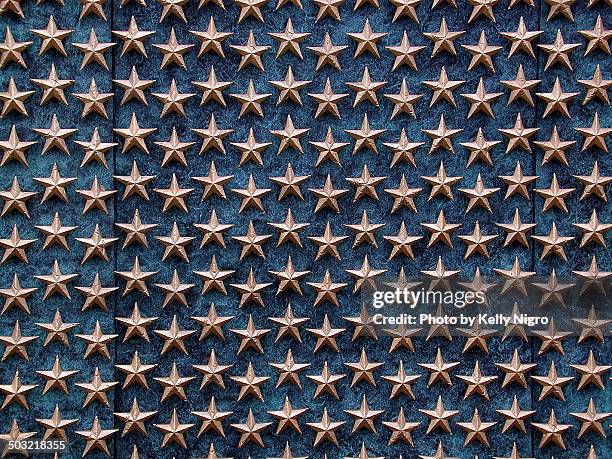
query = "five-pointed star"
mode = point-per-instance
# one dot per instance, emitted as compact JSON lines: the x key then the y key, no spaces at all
{"x":401,"y":382}
{"x":521,"y":39}
{"x":289,"y":40}
{"x":93,"y":51}
{"x":441,"y":183}
{"x":93,"y":100}
{"x":135,"y":279}
{"x":212,"y":323}
{"x":289,"y":370}
{"x":327,"y":52}
{"x":326,"y":335}
{"x":515,"y":370}
{"x":364,"y":231}
{"x":365,"y":137}
{"x":175,"y":290}
{"x":53,"y":87}
{"x":443,"y":88}
{"x":251,"y":101}
{"x":326,"y":382}
{"x":363,"y":370}
{"x":554,"y":196}
{"x":560,"y":7}
{"x":553,"y":243}
{"x":55,"y":377}
{"x":135,"y":184}
{"x":402,"y":242}
{"x":477,"y":242}
{"x":172,"y":51}
{"x":52,"y":37}
{"x":552,"y":383}
{"x":520,"y":87}
{"x":403,"y":102}
{"x":250,"y":430}
{"x":136,"y":325}
{"x":598,"y":37}
{"x":96,"y":437}
{"x":518,"y":135}
{"x":556,"y":100}
{"x":288,"y":417}
{"x":327,"y":102}
{"x":96,"y":196}
{"x":595,"y":135}
{"x":16,"y":392}
{"x":251,"y":290}
{"x":443,"y":39}
{"x":213,"y":230}
{"x":95,"y":149}
{"x":174,"y":195}
{"x":134,"y":87}
{"x":14,"y":149}
{"x":366,"y":88}
{"x":401,"y":430}
{"x":16,"y":199}
{"x":15,"y":296}
{"x":174,"y":431}
{"x":289,"y":136}
{"x":174,"y":337}
{"x":134,"y":419}
{"x":289,"y":88}
{"x":55,"y":426}
{"x":403,"y":149}
{"x":482,"y":53}
{"x":212,"y":418}
{"x":134,"y":135}
{"x":591,"y":372}
{"x":441,"y":137}
{"x":175,"y":244}
{"x":173,"y":8}
{"x":56,"y":281}
{"x":328,"y":149}
{"x":251,"y":336}
{"x":592,"y":326}
{"x":135,"y":372}
{"x":515,"y":416}
{"x":325,"y":430}
{"x":476,"y":383}
{"x":439,"y":370}
{"x":15,"y":434}
{"x":97,"y":341}
{"x":212,"y":138}
{"x":174,"y":384}
{"x":476,"y":429}
{"x":517,"y":230}
{"x":405,"y":53}
{"x":13,"y":100}
{"x":55,"y":136}
{"x":365,"y":276}
{"x":133,"y":38}
{"x":481,"y":100}
{"x":173,"y":100}
{"x":439,"y":417}
{"x":366,"y":40}
{"x":11,"y":50}
{"x":440,"y":230}
{"x":174,"y":149}
{"x":288,"y":325}
{"x":517,"y":182}
{"x":480,"y":149}
{"x":591,"y":420}
{"x":136,"y":230}
{"x":552,"y":431}
{"x":479,"y":195}
{"x":213,"y":278}
{"x":95,"y":246}
{"x":96,"y":294}
{"x":212,"y":39}
{"x":597,"y":87}
{"x":558,"y":52}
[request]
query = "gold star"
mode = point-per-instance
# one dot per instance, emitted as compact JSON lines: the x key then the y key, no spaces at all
{"x":174,"y":384}
{"x":95,"y":149}
{"x":16,"y":392}
{"x":552,"y":383}
{"x":174,"y":196}
{"x":172,"y":51}
{"x":136,"y":324}
{"x":93,"y":51}
{"x":329,"y":149}
{"x":441,"y":230}
{"x":251,"y":337}
{"x":400,"y":430}
{"x":212,"y":39}
{"x":597,"y":87}
{"x":327,"y":103}
{"x":327,"y":290}
{"x":363,"y":370}
{"x":136,"y":230}
{"x":251,"y":430}
{"x":96,"y":196}
{"x":212,"y":138}
{"x":365,"y":137}
{"x":174,"y":149}
{"x":13,"y":99}
{"x":558,"y":52}
{"x":521,"y":39}
{"x":517,"y":230}
{"x":443,"y":39}
{"x":441,"y":183}
{"x":476,"y":429}
{"x":133,"y":38}
{"x":95,"y":437}
{"x":326,"y":382}
{"x":518,"y":136}
{"x":592,"y":326}
{"x":134,"y":419}
{"x":213,"y":323}
{"x":479,"y":195}
{"x":52,"y":37}
{"x":250,"y":53}
{"x":289,"y":370}
{"x":325,"y":430}
{"x":212,"y":372}
{"x":96,"y":389}
{"x":440,"y":275}
{"x":288,"y":325}
{"x":251,"y":149}
{"x":598,"y":37}
{"x":136,"y":278}
{"x":173,"y":100}
{"x":364,"y":231}
{"x":327,"y":196}
{"x":405,"y":8}
{"x":553,"y":243}
{"x":174,"y":337}
{"x":53,"y":87}
{"x":366,"y":88}
{"x":595,"y":136}
{"x":403,"y":102}
{"x":591,"y":420}
{"x":401,"y":382}
{"x":172,"y":8}
{"x":250,"y":8}
{"x":554,"y":196}
{"x":213,"y":230}
{"x":174,"y":431}
{"x":287,"y":454}
{"x":329,"y":8}
{"x":439,"y":418}
{"x":365,"y":276}
{"x":327,"y":52}
{"x":55,"y":426}
{"x":55,"y":136}
{"x":514,"y":371}
{"x":480,"y":149}
{"x":135,"y":185}
{"x":96,"y":245}
{"x":481,"y":100}
{"x":552,"y":431}
{"x":366,"y":40}
{"x":97,"y":341}
{"x":212,"y":419}
{"x":560,"y":7}
{"x":175,"y":290}
{"x":16,"y":296}
{"x":402,"y":242}
{"x":327,"y":243}
{"x":289,"y":40}
{"x":482,"y":53}
{"x":476,"y":382}
{"x":15,"y":199}
{"x":251,"y":101}
{"x":134,"y":88}
{"x":476,"y":242}
{"x":555,"y":148}
{"x":11,"y":50}
{"x":134,"y":135}
{"x":289,"y":137}
{"x":250,"y":291}
{"x":251,"y":195}
{"x":405,"y":53}
{"x":515,"y":417}
{"x":55,"y":378}
{"x":591,"y":373}
{"x":365,"y":417}
{"x":214,"y":277}
{"x":289,"y":88}
{"x":520,"y":87}
{"x":551,"y":338}
{"x":326,"y":335}
{"x":15,"y":434}
{"x":288,"y":417}
{"x":14,"y":149}
{"x":403,"y":150}
{"x":439,"y":370}
{"x":289,"y":185}
{"x":443,"y":88}
{"x":175,"y":244}
{"x":556,"y":100}
{"x":92,"y":7}
{"x":55,"y":233}
{"x":93,"y":100}
{"x":365,"y":185}
{"x":56,"y":282}
{"x":441,"y":138}
{"x":289,"y":230}
{"x":482,"y":8}
{"x":135,"y":372}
